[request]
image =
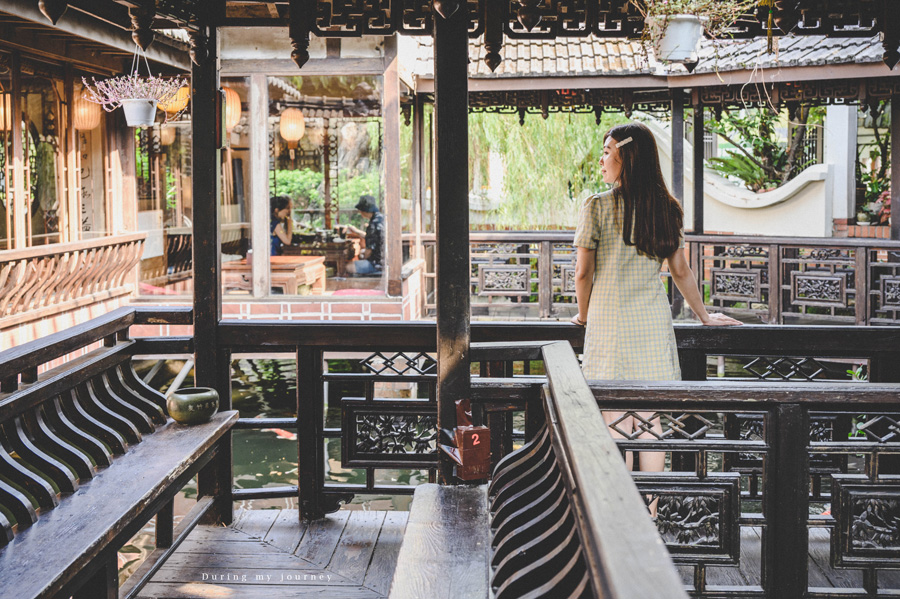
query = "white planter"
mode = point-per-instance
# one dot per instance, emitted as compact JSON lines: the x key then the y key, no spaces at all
{"x":139,"y":112}
{"x":680,"y":40}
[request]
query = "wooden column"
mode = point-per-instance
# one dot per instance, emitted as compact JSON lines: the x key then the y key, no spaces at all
{"x":206,"y":157}
{"x":678,"y":145}
{"x":451,"y":59}
{"x":417,"y":184}
{"x":895,"y":166}
{"x":19,"y":201}
{"x":71,"y":220}
{"x":391,"y":114}
{"x":260,"y":213}
{"x":699,"y":128}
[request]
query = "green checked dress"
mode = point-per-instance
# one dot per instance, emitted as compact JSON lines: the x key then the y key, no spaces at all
{"x":629,"y":332}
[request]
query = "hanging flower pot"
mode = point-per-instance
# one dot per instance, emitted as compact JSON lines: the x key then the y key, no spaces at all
{"x":676,"y":38}
{"x":139,"y":112}
{"x":138,"y":95}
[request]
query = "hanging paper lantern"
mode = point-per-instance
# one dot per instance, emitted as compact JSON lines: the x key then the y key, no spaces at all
{"x":166,"y":136}
{"x":5,"y":112}
{"x":292,"y":126}
{"x":85,"y":115}
{"x":232,"y":108}
{"x":178,"y":102}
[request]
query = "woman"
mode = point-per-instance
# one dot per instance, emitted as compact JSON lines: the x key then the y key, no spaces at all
{"x":281,"y":226}
{"x":623,"y":237}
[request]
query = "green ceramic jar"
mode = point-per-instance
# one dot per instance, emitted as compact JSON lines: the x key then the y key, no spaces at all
{"x":193,"y":405}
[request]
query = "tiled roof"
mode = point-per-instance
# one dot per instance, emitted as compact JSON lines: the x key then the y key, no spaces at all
{"x":611,"y":56}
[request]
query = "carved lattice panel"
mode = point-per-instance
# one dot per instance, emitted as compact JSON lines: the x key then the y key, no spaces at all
{"x":890,"y":292}
{"x":823,"y":428}
{"x":867,"y":529}
{"x":400,"y":363}
{"x":504,"y":280}
{"x":741,"y":284}
{"x":811,"y":289}
{"x":388,"y":434}
{"x":568,"y":280}
{"x":698,"y":519}
{"x":786,"y":368}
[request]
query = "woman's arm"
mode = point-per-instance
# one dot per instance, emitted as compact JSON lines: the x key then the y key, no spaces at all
{"x":285,"y":232}
{"x":584,"y":282}
{"x":684,"y":279}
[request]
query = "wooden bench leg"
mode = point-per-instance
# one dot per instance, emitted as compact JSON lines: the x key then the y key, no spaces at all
{"x":165,"y":525}
{"x":104,"y":584}
{"x":215,"y":480}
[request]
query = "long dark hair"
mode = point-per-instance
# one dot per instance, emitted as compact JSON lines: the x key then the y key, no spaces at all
{"x":278,"y":203}
{"x":652,"y":217}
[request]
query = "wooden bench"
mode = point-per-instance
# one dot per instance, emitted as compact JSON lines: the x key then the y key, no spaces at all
{"x":87,"y":458}
{"x":289,"y":273}
{"x":445,"y":547}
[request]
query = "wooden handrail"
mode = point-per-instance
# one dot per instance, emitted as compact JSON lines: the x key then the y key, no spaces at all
{"x":626,"y":557}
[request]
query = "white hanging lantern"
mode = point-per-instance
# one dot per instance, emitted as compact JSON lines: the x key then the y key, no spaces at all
{"x":292,"y":126}
{"x":85,"y":115}
{"x":178,"y":102}
{"x":5,"y":112}
{"x":232,"y":108}
{"x":166,"y":136}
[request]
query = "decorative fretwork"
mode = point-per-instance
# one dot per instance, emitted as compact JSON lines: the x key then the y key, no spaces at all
{"x":826,"y":253}
{"x":742,"y":284}
{"x":818,"y":289}
{"x":388,"y":433}
{"x":867,"y":528}
{"x":785,"y":368}
{"x":697,"y":518}
{"x":742,"y":251}
{"x":400,"y":363}
{"x":504,"y":280}
{"x":890,"y":291}
{"x":880,"y":428}
{"x":568,"y":280}
{"x":662,"y":425}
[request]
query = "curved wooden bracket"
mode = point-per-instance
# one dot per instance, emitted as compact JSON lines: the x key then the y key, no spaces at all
{"x":53,"y":9}
{"x":142,"y":24}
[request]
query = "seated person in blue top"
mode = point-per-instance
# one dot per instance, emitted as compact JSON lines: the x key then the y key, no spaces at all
{"x":281,"y":225}
{"x":372,"y":257}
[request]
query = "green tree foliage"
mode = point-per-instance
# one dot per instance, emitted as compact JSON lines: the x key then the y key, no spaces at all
{"x":303,"y":186}
{"x":761,"y":160}
{"x":550,"y":163}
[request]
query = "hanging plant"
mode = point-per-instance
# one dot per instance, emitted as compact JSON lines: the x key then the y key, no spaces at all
{"x":138,"y":95}
{"x":675,"y":27}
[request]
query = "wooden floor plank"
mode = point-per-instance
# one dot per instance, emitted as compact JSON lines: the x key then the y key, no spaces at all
{"x":321,"y":538}
{"x":820,"y":554}
{"x":247,"y":591}
{"x":354,"y":550}
{"x":384,"y":560}
{"x":287,"y":531}
{"x":250,"y":546}
{"x":256,"y":523}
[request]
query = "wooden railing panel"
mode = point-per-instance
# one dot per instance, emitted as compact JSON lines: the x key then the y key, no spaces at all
{"x":41,"y":281}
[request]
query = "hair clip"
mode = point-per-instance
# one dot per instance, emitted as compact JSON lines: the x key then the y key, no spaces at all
{"x":623,"y":142}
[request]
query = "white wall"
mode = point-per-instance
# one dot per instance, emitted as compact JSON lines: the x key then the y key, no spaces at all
{"x":840,"y":152}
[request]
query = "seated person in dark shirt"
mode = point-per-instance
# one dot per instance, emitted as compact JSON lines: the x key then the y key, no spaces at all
{"x":372,"y":257}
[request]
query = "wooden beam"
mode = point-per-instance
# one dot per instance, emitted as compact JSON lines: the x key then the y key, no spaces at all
{"x":391,"y":148}
{"x":678,"y":147}
{"x":451,"y":57}
{"x":260,"y":214}
{"x":699,"y":128}
{"x":20,"y":195}
{"x":206,"y":154}
{"x":286,"y":67}
{"x":895,"y":167}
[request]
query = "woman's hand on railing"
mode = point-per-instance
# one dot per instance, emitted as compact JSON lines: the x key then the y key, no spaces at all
{"x":716,"y":319}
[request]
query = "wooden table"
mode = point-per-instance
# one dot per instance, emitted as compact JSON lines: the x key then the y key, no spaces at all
{"x":287,"y":272}
{"x":336,"y":253}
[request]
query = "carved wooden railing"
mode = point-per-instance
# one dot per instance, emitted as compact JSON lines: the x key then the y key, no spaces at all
{"x":177,"y":264}
{"x":820,"y":280}
{"x":41,"y":281}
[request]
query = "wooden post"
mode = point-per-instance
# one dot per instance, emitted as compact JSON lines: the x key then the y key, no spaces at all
{"x":71,"y":219}
{"x":206,"y":156}
{"x":786,"y":480}
{"x":417,"y":184}
{"x":391,"y":113}
{"x":895,"y":165}
{"x":451,"y":101}
{"x":698,"y":169}
{"x":19,"y":201}
{"x":310,"y":406}
{"x":678,"y":145}
{"x":259,"y":183}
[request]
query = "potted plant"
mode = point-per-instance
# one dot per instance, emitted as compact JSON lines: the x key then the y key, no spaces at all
{"x":137,"y":95}
{"x":863,"y":218}
{"x":675,"y":27}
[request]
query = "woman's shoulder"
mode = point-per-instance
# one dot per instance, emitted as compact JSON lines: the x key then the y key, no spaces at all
{"x":601,"y":199}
